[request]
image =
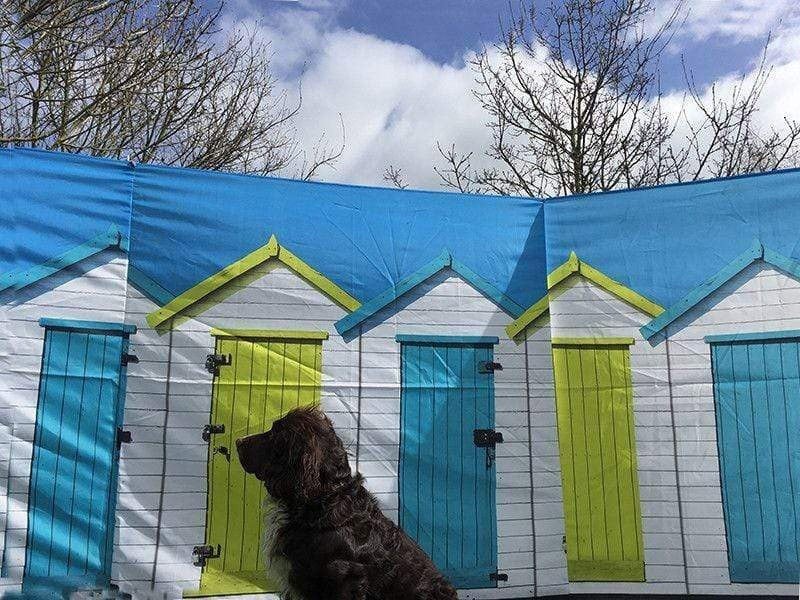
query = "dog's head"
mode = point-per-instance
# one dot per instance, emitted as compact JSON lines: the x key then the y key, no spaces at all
{"x":300,"y":459}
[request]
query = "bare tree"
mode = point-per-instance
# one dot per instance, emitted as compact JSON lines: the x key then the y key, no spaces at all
{"x":723,"y":139}
{"x":574,"y":105}
{"x":149,"y":80}
{"x":394,"y":177}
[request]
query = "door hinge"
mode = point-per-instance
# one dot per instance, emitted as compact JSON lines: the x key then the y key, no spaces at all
{"x":212,"y":429}
{"x":487,"y":366}
{"x":498,"y":576}
{"x":129,"y":358}
{"x":203,"y":553}
{"x":487,"y":438}
{"x":215,"y":361}
{"x":123,"y":437}
{"x":564,"y":543}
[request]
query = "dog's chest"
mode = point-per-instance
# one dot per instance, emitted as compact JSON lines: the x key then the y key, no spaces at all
{"x":275,"y":518}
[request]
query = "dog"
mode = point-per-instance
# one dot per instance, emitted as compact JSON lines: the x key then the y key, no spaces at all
{"x":326,"y":538}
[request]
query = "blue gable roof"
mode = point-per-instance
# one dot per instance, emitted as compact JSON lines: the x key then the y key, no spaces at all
{"x":186,"y":224}
{"x":756,"y":252}
{"x":109,"y":239}
{"x":665,"y":241}
{"x":444,"y":261}
{"x":53,"y":202}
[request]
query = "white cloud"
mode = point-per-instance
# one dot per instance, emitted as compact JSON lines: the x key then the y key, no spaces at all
{"x":779,"y":97}
{"x":396,"y":103}
{"x":737,"y":20}
{"x":781,"y":92}
{"x":292,"y":28}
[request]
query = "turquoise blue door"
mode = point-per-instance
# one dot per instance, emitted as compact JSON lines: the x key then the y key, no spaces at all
{"x":75,"y":454}
{"x":447,"y":484}
{"x":757,"y":395}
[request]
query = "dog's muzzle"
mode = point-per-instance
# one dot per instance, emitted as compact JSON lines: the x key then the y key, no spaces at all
{"x":252,"y":450}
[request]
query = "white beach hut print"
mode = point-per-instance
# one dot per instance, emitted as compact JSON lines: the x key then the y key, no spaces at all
{"x":247,"y":344}
{"x":439,"y":377}
{"x":733,"y":346}
{"x":63,"y":391}
{"x":614,"y":454}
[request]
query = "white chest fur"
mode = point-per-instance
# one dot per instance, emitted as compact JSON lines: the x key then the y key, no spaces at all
{"x":274,"y":519}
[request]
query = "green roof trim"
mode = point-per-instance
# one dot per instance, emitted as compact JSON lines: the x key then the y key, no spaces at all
{"x":271,"y":250}
{"x":755,"y":252}
{"x":273,"y":334}
{"x":536,"y":310}
{"x":443,"y":261}
{"x":573,"y":265}
{"x":593,"y":341}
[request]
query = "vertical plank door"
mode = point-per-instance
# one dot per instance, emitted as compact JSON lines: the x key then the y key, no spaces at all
{"x":594,"y":401}
{"x":73,"y":483}
{"x":447,"y":488}
{"x":267,"y":377}
{"x":757,"y":397}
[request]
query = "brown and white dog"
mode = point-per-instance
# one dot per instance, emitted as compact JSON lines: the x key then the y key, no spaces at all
{"x":326,"y":538}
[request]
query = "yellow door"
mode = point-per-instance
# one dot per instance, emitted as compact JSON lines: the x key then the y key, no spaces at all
{"x":267,"y":377}
{"x":594,"y":400}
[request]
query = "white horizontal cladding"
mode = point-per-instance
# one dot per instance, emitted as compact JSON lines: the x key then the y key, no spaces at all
{"x":5,"y":455}
{"x":759,"y":299}
{"x":581,"y":309}
{"x":447,"y":305}
{"x":93,"y":289}
{"x":163,"y":474}
{"x":546,"y":501}
{"x":142,"y":465}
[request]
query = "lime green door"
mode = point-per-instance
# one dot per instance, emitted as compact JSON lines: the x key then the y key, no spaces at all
{"x":594,"y":399}
{"x":266,"y":377}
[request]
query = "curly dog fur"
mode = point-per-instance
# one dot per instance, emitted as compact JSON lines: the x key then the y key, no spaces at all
{"x":330,"y":540}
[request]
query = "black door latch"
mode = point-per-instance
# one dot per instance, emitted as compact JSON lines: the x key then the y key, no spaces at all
{"x":223,"y":450}
{"x":203,"y":553}
{"x":212,"y":429}
{"x":487,"y":366}
{"x":215,"y":361}
{"x":487,"y":438}
{"x":123,"y":437}
{"x":128,"y":359}
{"x":498,"y":576}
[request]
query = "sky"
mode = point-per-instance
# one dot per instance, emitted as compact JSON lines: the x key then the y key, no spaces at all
{"x":393,"y":76}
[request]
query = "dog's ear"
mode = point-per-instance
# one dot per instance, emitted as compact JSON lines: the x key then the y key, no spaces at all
{"x":309,"y":483}
{"x":335,"y":469}
{"x":324,"y":463}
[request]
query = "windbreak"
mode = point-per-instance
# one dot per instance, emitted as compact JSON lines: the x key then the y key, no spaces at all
{"x":592,"y":395}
